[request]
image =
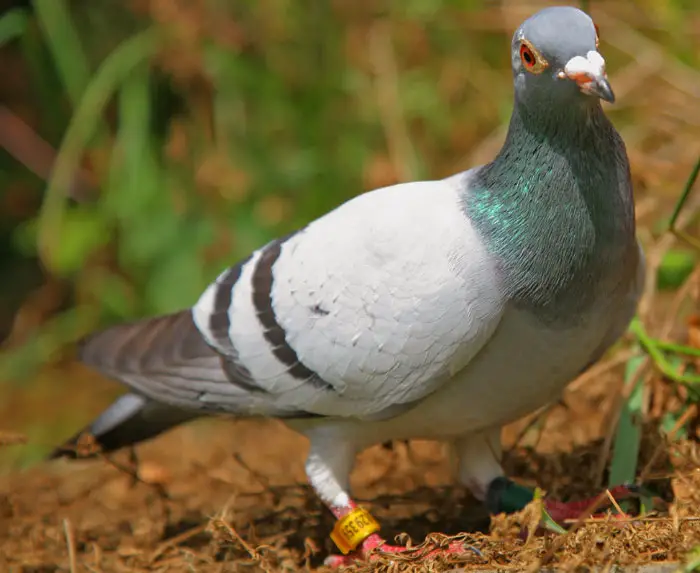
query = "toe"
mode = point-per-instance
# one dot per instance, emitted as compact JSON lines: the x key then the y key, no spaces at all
{"x":337,"y":561}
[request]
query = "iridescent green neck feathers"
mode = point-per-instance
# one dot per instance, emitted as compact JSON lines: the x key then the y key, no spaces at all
{"x":555,"y":208}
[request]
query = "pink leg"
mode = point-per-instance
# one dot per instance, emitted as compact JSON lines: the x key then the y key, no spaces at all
{"x":562,"y":512}
{"x":374,"y":541}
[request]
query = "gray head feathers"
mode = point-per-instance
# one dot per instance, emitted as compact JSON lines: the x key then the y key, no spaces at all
{"x":556,"y":60}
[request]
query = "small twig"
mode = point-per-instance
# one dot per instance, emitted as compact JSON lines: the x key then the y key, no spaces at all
{"x":70,"y":542}
{"x":257,"y":476}
{"x":32,"y":151}
{"x":401,"y":150}
{"x":687,"y":415}
{"x":173,"y":541}
{"x":133,"y":473}
{"x":654,"y":258}
{"x":532,"y":422}
{"x":678,"y":299}
{"x":614,"y":503}
{"x":608,"y":565}
{"x":234,"y":535}
{"x":134,"y":461}
{"x":601,"y":368}
{"x":633,"y":519}
{"x":11,"y":438}
{"x":576,"y":524}
{"x":97,"y":552}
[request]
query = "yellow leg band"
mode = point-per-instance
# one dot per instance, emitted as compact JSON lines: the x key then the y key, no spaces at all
{"x":353,"y":528}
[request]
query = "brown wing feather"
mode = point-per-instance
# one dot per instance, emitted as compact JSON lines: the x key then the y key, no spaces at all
{"x":167,"y":359}
{"x":137,"y":345}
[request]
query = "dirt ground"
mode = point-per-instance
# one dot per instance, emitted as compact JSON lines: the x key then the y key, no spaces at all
{"x":221,"y":495}
{"x":226,"y":496}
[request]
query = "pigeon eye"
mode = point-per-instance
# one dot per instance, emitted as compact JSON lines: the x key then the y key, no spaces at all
{"x":527,"y":56}
{"x":531,"y":58}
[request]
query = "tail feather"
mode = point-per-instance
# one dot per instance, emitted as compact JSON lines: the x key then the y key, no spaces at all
{"x":129,"y":420}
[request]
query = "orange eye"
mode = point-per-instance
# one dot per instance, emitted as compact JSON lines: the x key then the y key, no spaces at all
{"x":527,"y":56}
{"x":532,"y":60}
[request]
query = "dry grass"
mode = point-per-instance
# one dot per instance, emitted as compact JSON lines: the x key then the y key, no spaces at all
{"x":230,"y":496}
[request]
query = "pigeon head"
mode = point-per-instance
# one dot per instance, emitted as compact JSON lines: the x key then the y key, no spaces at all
{"x":556,"y":60}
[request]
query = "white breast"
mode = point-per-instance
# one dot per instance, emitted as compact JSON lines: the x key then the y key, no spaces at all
{"x":405,"y":294}
{"x":522,"y":368}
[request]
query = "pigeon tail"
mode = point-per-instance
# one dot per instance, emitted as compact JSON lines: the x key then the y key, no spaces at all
{"x":127,"y":421}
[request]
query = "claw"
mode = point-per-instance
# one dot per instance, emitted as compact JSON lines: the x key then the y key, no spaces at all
{"x":366,"y":551}
{"x":561,"y":512}
{"x":505,"y":496}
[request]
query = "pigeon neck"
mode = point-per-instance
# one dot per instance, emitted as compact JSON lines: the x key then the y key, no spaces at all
{"x":555,"y":209}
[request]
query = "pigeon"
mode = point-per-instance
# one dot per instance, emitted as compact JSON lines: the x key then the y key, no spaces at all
{"x":437,"y":310}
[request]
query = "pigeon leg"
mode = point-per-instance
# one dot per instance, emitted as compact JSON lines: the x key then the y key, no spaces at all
{"x":328,"y":468}
{"x":364,"y":551}
{"x":479,"y":461}
{"x":562,"y":512}
{"x":505,"y":496}
{"x":479,"y":469}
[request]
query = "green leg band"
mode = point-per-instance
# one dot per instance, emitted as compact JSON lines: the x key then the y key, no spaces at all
{"x":506,"y":496}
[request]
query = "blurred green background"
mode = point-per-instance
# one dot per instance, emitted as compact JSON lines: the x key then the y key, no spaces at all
{"x":147,"y":144}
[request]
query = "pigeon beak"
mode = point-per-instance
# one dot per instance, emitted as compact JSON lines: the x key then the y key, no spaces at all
{"x":601,"y":88}
{"x":589,"y":74}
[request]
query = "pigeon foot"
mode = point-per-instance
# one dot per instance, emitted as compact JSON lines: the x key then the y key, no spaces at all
{"x":505,"y":496}
{"x":366,"y":551}
{"x":565,"y":512}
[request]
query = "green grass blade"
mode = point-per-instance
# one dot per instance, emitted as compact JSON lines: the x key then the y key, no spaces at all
{"x":679,"y":206}
{"x":111,"y":73}
{"x":623,"y":468}
{"x":692,"y":560}
{"x":12,"y":25}
{"x":678,"y":348}
{"x":44,"y":84}
{"x":63,"y":41}
{"x":134,"y":136}
{"x":654,"y":348}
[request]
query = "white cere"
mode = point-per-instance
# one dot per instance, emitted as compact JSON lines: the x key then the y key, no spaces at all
{"x":593,"y":65}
